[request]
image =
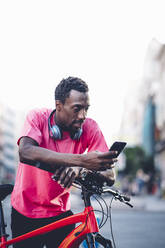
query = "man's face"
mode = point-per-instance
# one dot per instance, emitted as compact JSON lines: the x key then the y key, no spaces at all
{"x":71,"y":115}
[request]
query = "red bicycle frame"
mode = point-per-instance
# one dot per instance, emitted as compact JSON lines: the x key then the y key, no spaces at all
{"x":88,"y":225}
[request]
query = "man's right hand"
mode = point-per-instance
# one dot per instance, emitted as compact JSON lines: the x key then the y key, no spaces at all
{"x":98,"y":161}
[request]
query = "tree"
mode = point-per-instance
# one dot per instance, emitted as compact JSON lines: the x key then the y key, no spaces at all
{"x":137,"y":159}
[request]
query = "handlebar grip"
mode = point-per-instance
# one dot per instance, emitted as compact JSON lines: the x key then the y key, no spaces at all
{"x":118,"y":195}
{"x":126,"y":198}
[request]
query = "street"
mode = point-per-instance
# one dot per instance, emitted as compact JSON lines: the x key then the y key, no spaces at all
{"x":137,"y":229}
{"x":132,"y":227}
{"x":142,"y":226}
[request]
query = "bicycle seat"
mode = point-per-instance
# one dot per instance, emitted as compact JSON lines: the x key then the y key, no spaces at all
{"x":5,"y":190}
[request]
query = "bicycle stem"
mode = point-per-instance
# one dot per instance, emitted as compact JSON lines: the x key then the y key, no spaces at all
{"x":86,"y":197}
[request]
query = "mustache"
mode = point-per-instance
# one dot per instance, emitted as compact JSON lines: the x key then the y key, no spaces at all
{"x":78,"y":122}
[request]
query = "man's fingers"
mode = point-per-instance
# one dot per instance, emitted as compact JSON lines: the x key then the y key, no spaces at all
{"x":63,"y":175}
{"x":57,"y":173}
{"x":109,"y":154}
{"x":67,"y":177}
{"x":70,"y":180}
{"x":106,"y":166}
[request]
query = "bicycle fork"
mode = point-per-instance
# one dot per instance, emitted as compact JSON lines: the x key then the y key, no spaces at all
{"x":103,"y":241}
{"x":91,"y":238}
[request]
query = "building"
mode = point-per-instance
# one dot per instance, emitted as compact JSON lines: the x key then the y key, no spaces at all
{"x":144,"y":120}
{"x":8,"y":148}
{"x":131,"y":125}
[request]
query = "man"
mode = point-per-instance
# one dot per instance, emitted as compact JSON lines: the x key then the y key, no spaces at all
{"x":55,"y":142}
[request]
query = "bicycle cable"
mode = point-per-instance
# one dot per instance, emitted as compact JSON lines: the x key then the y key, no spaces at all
{"x":107,"y":214}
{"x":95,"y":210}
{"x":103,"y":221}
{"x":110,"y":221}
{"x":96,"y":196}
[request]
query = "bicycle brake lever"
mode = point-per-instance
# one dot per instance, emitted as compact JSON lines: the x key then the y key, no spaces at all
{"x":129,"y":204}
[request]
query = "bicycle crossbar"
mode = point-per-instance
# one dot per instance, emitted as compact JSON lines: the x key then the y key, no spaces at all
{"x":76,"y":218}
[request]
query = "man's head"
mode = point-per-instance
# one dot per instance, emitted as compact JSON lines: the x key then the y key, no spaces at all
{"x":72,"y":102}
{"x":64,"y":88}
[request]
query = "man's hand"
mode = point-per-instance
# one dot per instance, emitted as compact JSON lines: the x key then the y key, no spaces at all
{"x":110,"y":176}
{"x":65,"y":176}
{"x":98,"y":161}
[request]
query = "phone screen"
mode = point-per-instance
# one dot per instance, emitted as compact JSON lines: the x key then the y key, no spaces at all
{"x":117,"y":146}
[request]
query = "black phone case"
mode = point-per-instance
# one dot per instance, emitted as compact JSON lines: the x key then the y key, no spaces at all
{"x":117,"y":146}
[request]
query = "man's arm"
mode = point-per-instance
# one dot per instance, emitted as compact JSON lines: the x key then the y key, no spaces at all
{"x":31,"y":153}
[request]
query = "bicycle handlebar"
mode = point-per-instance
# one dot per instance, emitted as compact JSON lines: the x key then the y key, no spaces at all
{"x":117,"y":194}
{"x":96,"y":183}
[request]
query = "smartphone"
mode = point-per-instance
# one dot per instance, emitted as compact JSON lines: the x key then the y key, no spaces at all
{"x":117,"y":146}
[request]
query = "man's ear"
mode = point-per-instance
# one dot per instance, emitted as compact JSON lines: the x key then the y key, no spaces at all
{"x":58,"y":105}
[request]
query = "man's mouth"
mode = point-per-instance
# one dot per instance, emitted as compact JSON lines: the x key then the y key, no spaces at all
{"x":78,"y":124}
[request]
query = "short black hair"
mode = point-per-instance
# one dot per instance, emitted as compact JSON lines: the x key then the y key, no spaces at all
{"x":63,"y":89}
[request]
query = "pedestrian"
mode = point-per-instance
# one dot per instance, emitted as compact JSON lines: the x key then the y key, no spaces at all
{"x":54,"y":142}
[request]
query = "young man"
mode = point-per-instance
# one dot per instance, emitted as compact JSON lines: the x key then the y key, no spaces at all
{"x":55,"y":142}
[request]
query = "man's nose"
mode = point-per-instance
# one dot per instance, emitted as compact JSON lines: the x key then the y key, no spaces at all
{"x":82,"y":114}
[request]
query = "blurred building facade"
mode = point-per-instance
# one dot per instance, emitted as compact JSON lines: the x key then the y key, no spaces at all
{"x":8,"y":147}
{"x":131,"y":128}
{"x":144,"y":112}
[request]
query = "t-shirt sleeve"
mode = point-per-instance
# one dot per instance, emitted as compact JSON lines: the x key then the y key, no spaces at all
{"x":32,"y":127}
{"x":96,"y":140}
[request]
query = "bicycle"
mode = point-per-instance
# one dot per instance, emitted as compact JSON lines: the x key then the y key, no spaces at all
{"x":90,"y":184}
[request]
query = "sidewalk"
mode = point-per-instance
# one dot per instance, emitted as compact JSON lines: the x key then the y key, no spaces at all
{"x":140,"y":203}
{"x":146,"y":203}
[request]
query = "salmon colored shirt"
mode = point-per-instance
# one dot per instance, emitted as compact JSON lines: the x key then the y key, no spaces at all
{"x":35,"y":194}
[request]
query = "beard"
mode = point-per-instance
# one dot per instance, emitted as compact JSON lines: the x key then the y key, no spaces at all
{"x":73,"y":127}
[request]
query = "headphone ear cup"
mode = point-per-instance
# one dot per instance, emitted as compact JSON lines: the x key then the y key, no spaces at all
{"x":56,"y":133}
{"x":77,"y":135}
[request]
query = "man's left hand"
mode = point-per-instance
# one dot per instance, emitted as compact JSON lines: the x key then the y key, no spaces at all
{"x":65,"y":176}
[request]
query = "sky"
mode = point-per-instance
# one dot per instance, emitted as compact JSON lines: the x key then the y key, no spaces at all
{"x":104,"y":42}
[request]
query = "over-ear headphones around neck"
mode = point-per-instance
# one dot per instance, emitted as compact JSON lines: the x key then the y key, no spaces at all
{"x":56,"y":133}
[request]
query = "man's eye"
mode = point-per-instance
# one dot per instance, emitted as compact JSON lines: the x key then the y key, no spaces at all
{"x":76,"y":110}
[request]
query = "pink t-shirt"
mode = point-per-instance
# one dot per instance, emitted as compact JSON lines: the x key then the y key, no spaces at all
{"x":35,"y":194}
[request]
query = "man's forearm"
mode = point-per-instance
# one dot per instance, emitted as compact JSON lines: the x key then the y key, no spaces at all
{"x":41,"y":157}
{"x":31,"y":153}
